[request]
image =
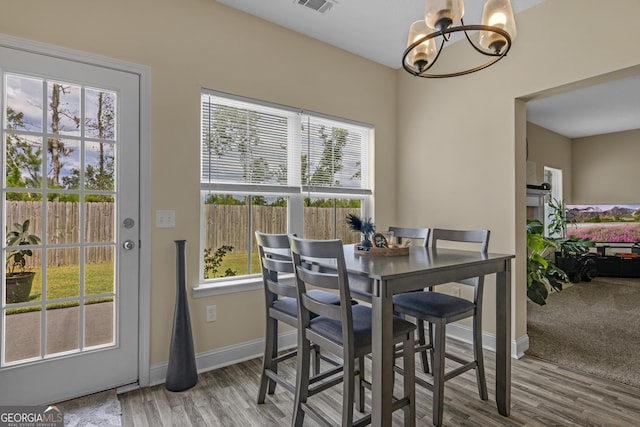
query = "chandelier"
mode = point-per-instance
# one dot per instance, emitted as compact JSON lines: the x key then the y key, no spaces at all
{"x":443,"y":18}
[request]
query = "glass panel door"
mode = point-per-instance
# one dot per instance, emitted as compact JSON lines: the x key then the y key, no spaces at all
{"x":70,"y":196}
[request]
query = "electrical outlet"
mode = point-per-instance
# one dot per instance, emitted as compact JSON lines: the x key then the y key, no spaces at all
{"x":211,"y":313}
{"x":456,"y":291}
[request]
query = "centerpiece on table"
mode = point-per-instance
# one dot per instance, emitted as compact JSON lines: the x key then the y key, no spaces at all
{"x":373,"y":243}
{"x":364,"y":226}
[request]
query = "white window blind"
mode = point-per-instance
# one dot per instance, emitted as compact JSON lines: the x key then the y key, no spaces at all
{"x":333,"y":156}
{"x":252,"y":146}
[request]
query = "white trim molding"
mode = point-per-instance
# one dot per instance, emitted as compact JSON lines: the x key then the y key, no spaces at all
{"x":242,"y":352}
{"x":465,"y":334}
{"x":227,"y":356}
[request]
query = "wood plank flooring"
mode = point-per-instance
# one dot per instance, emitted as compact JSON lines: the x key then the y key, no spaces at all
{"x":543,"y":394}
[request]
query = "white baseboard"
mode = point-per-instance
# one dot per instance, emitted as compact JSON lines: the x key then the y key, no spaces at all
{"x":225,"y":356}
{"x":465,"y":334}
{"x":520,"y":346}
{"x":252,"y":349}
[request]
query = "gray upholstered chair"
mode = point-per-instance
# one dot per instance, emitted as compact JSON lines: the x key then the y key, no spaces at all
{"x":343,"y":330}
{"x":281,"y":306}
{"x":438,"y":310}
{"x":415,"y":234}
{"x":420,"y":235}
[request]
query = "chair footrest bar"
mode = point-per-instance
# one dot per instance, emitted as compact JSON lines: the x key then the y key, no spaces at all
{"x":330,"y":360}
{"x":460,"y":370}
{"x":424,"y":383}
{"x":366,"y":384}
{"x":418,"y":380}
{"x":423,"y":347}
{"x":320,"y":386}
{"x":399,"y":403}
{"x":278,"y":379}
{"x":285,"y":356}
{"x":364,"y":421}
{"x":457,"y":358}
{"x":325,"y":374}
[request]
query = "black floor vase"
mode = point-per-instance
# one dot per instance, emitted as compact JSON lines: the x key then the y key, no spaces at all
{"x":182,"y":373}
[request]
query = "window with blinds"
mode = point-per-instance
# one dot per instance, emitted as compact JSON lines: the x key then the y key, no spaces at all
{"x":275,"y":169}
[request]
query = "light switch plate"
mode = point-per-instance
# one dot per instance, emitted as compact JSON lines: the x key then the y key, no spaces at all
{"x":211,"y":313}
{"x":165,"y":219}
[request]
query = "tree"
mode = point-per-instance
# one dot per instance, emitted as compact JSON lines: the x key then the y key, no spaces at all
{"x":213,"y":260}
{"x":100,"y":176}
{"x":56,"y":146}
{"x":330,"y":163}
{"x":23,"y":159}
{"x":236,"y":130}
{"x":332,"y":155}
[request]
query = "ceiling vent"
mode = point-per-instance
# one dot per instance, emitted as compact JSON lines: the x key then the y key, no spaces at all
{"x":318,"y":5}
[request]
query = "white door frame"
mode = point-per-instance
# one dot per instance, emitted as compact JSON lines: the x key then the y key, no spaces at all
{"x":145,"y":177}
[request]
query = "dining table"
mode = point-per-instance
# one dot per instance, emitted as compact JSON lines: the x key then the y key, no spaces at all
{"x":420,"y":268}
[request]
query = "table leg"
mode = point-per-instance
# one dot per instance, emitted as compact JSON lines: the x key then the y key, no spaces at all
{"x":383,"y":357}
{"x":503,"y":340}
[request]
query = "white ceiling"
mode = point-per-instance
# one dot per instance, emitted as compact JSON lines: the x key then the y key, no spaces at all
{"x":378,"y":29}
{"x":595,"y":110}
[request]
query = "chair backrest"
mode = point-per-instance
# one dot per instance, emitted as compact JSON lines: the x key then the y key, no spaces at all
{"x":412,"y":233}
{"x":467,"y":236}
{"x":307,"y":254}
{"x":480,"y":237}
{"x":275,"y":259}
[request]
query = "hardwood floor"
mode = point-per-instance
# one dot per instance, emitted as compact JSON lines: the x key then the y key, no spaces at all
{"x":543,"y":394}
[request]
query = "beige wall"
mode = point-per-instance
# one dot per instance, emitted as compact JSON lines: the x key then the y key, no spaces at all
{"x":605,"y":168}
{"x":459,"y":141}
{"x":596,"y":169}
{"x":462,"y":140}
{"x":194,"y":44}
{"x":547,"y":148}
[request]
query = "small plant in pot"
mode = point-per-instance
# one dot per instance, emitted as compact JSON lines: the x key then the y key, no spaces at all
{"x":364,"y":226}
{"x":19,"y":280}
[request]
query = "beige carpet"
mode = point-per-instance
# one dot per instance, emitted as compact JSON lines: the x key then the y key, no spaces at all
{"x":592,"y":327}
{"x":95,"y":410}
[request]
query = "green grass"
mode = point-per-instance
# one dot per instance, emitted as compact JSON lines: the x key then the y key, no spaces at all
{"x":64,"y":282}
{"x":238,"y":263}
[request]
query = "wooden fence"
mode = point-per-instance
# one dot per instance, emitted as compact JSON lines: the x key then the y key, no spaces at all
{"x":228,"y":224}
{"x":63,"y":227}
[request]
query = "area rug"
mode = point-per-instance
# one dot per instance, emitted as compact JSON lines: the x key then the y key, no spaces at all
{"x":593,"y":327}
{"x":99,"y":409}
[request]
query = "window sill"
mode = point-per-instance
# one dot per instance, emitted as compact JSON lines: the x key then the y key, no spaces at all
{"x":209,"y":289}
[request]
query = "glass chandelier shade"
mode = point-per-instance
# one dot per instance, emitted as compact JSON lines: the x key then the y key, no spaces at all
{"x":426,"y":52}
{"x":497,"y":13}
{"x":441,"y":14}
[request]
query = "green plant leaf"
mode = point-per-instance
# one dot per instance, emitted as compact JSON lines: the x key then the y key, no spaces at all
{"x":538,"y":293}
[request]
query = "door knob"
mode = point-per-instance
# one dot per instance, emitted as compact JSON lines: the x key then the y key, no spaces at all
{"x":128,"y":245}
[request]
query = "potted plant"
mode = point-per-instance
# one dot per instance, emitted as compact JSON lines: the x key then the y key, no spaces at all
{"x":18,"y":279}
{"x":543,"y":276}
{"x":364,"y":226}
